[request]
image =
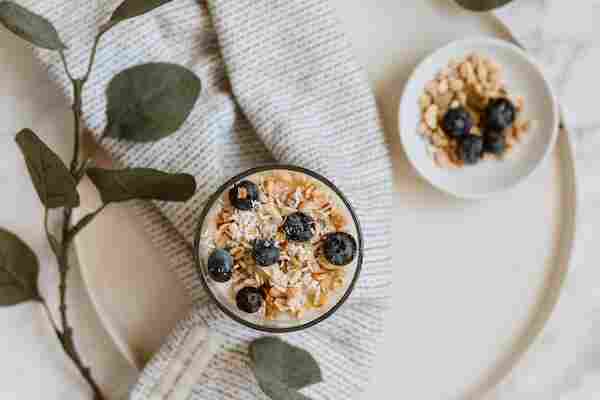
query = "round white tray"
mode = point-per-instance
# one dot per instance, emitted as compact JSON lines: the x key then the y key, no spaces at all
{"x":474,"y":282}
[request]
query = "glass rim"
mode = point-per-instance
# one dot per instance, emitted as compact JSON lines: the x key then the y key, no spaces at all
{"x":199,"y":263}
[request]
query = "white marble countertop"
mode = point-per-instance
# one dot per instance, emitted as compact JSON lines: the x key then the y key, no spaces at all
{"x":564,"y":363}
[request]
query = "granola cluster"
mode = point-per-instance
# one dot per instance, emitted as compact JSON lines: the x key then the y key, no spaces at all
{"x":473,"y":86}
{"x":302,"y":277}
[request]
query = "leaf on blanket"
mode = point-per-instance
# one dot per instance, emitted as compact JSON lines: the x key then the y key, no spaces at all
{"x":52,"y":180}
{"x":281,"y":369}
{"x":29,"y":26}
{"x":141,"y":183}
{"x":278,"y":391}
{"x":151,"y":101}
{"x":19,"y":270}
{"x":133,"y":8}
{"x":482,"y":5}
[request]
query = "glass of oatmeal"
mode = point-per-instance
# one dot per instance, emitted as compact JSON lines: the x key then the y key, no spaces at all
{"x":279,"y":248}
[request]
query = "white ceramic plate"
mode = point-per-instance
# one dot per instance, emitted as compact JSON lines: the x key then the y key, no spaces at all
{"x":523,"y":78}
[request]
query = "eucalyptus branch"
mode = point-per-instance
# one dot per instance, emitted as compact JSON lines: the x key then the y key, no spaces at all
{"x":62,"y":254}
{"x":132,"y":98}
{"x":97,"y":39}
{"x":67,"y":236}
{"x":88,"y":161}
{"x":62,"y":259}
{"x":65,"y":64}
{"x":51,"y":319}
{"x":77,"y":109}
{"x":67,"y":339}
{"x":84,"y":221}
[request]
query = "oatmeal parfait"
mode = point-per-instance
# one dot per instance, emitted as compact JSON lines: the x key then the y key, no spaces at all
{"x":279,"y":245}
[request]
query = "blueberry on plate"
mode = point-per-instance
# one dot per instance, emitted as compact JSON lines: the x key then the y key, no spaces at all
{"x":220,"y":265}
{"x":298,"y":227}
{"x":249,"y":299}
{"x":457,"y":122}
{"x":494,"y":142}
{"x":339,"y":248}
{"x":499,"y":114}
{"x":265,"y":252}
{"x":243,"y":195}
{"x":470,"y":149}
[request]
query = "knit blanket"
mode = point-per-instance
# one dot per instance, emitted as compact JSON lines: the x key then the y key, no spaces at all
{"x":280,"y":84}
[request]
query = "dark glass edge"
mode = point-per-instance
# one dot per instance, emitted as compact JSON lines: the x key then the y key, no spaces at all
{"x":215,"y":196}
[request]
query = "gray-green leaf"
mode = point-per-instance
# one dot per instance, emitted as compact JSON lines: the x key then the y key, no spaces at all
{"x":150,"y":101}
{"x":19,"y":270}
{"x":281,"y":368}
{"x":133,"y":8}
{"x":278,"y":391}
{"x":141,"y":183}
{"x":482,"y":5}
{"x":31,"y":27}
{"x":52,"y":180}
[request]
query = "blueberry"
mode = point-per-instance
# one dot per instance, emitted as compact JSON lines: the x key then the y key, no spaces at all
{"x":243,"y":195}
{"x":339,"y":248}
{"x":220,"y":265}
{"x":499,"y":114}
{"x":494,"y":142}
{"x":457,"y":122}
{"x":265,"y":252}
{"x":470,"y":149}
{"x":298,"y":227}
{"x":249,"y":299}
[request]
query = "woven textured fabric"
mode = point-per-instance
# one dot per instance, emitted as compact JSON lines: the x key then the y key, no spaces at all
{"x":279,"y":85}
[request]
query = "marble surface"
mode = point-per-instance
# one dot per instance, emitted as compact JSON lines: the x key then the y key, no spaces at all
{"x":564,"y":364}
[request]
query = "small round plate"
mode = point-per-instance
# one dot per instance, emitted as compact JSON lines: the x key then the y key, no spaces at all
{"x":523,"y":78}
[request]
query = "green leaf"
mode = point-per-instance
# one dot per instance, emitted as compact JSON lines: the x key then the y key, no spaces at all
{"x":53,"y":182}
{"x":31,"y":27}
{"x":141,"y":183}
{"x":281,"y":368}
{"x":150,"y":101}
{"x":19,"y":270}
{"x":133,"y":8}
{"x":482,"y":5}
{"x":278,"y":391}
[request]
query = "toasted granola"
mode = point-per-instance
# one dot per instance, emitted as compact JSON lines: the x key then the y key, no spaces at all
{"x":474,"y":85}
{"x":299,"y":276}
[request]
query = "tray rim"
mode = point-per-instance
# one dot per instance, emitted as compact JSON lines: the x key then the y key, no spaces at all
{"x":536,"y":322}
{"x":547,"y":303}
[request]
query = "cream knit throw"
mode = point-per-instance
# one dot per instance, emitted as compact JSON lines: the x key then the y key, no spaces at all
{"x":280,"y":84}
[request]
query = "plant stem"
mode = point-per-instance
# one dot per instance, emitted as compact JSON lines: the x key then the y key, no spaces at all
{"x":67,"y":331}
{"x":85,"y":221}
{"x":102,"y":31}
{"x":63,"y":266}
{"x":51,"y":319}
{"x":64,"y":61}
{"x":62,"y":256}
{"x":77,"y":108}
{"x":78,"y":85}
